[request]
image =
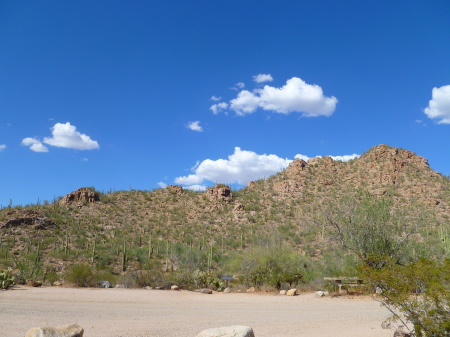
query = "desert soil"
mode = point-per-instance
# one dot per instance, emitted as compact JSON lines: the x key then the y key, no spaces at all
{"x":161,"y":313}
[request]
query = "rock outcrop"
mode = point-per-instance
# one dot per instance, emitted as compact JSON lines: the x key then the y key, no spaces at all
{"x":219,"y":192}
{"x":27,"y":218}
{"x":81,"y":196}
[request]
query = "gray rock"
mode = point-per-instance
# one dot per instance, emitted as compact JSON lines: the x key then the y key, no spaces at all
{"x":229,"y":331}
{"x":226,"y":290}
{"x":104,"y":284}
{"x":206,"y":291}
{"x":174,"y":287}
{"x":283,"y":292}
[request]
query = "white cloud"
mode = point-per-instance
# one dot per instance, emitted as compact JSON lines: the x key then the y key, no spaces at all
{"x":343,"y":158}
{"x":216,"y":108}
{"x":261,"y":78}
{"x":439,"y":106}
{"x":195,"y":126}
{"x":2,"y":147}
{"x":295,"y":96}
{"x":240,"y":167}
{"x":189,"y":180}
{"x":240,"y":85}
{"x":67,"y":136}
{"x":34,"y":144}
{"x":214,"y":98}
{"x":196,"y":188}
{"x":161,"y":184}
{"x":302,"y":157}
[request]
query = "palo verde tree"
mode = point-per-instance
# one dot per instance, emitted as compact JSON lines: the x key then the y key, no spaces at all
{"x":415,"y":290}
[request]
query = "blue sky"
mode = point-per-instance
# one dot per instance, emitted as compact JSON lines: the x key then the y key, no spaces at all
{"x":142,"y":94}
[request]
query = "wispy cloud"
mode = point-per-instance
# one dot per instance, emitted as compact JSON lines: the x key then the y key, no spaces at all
{"x":214,"y":98}
{"x":439,"y":106}
{"x":2,"y":147}
{"x":195,"y":126}
{"x":161,"y":184}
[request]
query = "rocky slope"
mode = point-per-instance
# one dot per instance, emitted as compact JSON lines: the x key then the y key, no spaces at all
{"x":99,"y":225}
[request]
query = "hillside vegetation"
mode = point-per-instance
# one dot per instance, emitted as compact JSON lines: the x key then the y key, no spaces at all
{"x":283,"y":230}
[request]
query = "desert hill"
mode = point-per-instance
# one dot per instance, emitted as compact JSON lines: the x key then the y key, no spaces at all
{"x":123,"y":230}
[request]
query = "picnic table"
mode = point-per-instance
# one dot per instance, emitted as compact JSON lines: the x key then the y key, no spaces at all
{"x":345,"y":284}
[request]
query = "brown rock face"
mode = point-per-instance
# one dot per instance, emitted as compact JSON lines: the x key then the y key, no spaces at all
{"x":81,"y":196}
{"x":219,"y":192}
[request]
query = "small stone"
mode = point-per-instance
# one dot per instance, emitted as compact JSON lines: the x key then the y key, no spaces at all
{"x":283,"y":292}
{"x":206,"y":291}
{"x":104,"y":284}
{"x":251,"y":290}
{"x":226,"y":290}
{"x":57,"y":284}
{"x":174,"y":287}
{"x":320,"y":294}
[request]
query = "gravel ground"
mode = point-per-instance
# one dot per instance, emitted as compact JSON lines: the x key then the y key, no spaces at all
{"x":164,"y":313}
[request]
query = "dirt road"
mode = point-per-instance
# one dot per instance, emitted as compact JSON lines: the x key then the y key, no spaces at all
{"x":158,"y":313}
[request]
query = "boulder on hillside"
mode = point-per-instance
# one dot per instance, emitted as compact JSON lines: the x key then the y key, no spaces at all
{"x":219,"y":192}
{"x":229,"y":331}
{"x":81,"y":196}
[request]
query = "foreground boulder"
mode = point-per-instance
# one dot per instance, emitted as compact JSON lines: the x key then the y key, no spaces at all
{"x":73,"y":330}
{"x":229,"y":331}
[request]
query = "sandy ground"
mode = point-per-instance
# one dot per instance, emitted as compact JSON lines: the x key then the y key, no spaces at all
{"x":159,"y":313}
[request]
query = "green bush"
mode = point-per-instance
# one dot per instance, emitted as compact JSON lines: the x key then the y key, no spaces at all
{"x":81,"y":275}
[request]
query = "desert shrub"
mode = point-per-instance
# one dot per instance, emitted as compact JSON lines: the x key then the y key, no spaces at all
{"x":274,"y":265}
{"x":6,"y":279}
{"x":81,"y":275}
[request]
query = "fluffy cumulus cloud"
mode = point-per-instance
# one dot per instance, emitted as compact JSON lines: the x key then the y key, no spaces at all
{"x":67,"y":136}
{"x":34,"y":144}
{"x":240,"y":167}
{"x":191,"y":179}
{"x":215,"y":98}
{"x":216,"y":108}
{"x":2,"y":147}
{"x":439,"y":106}
{"x":295,"y":96}
{"x":195,"y":126}
{"x":261,"y":78}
